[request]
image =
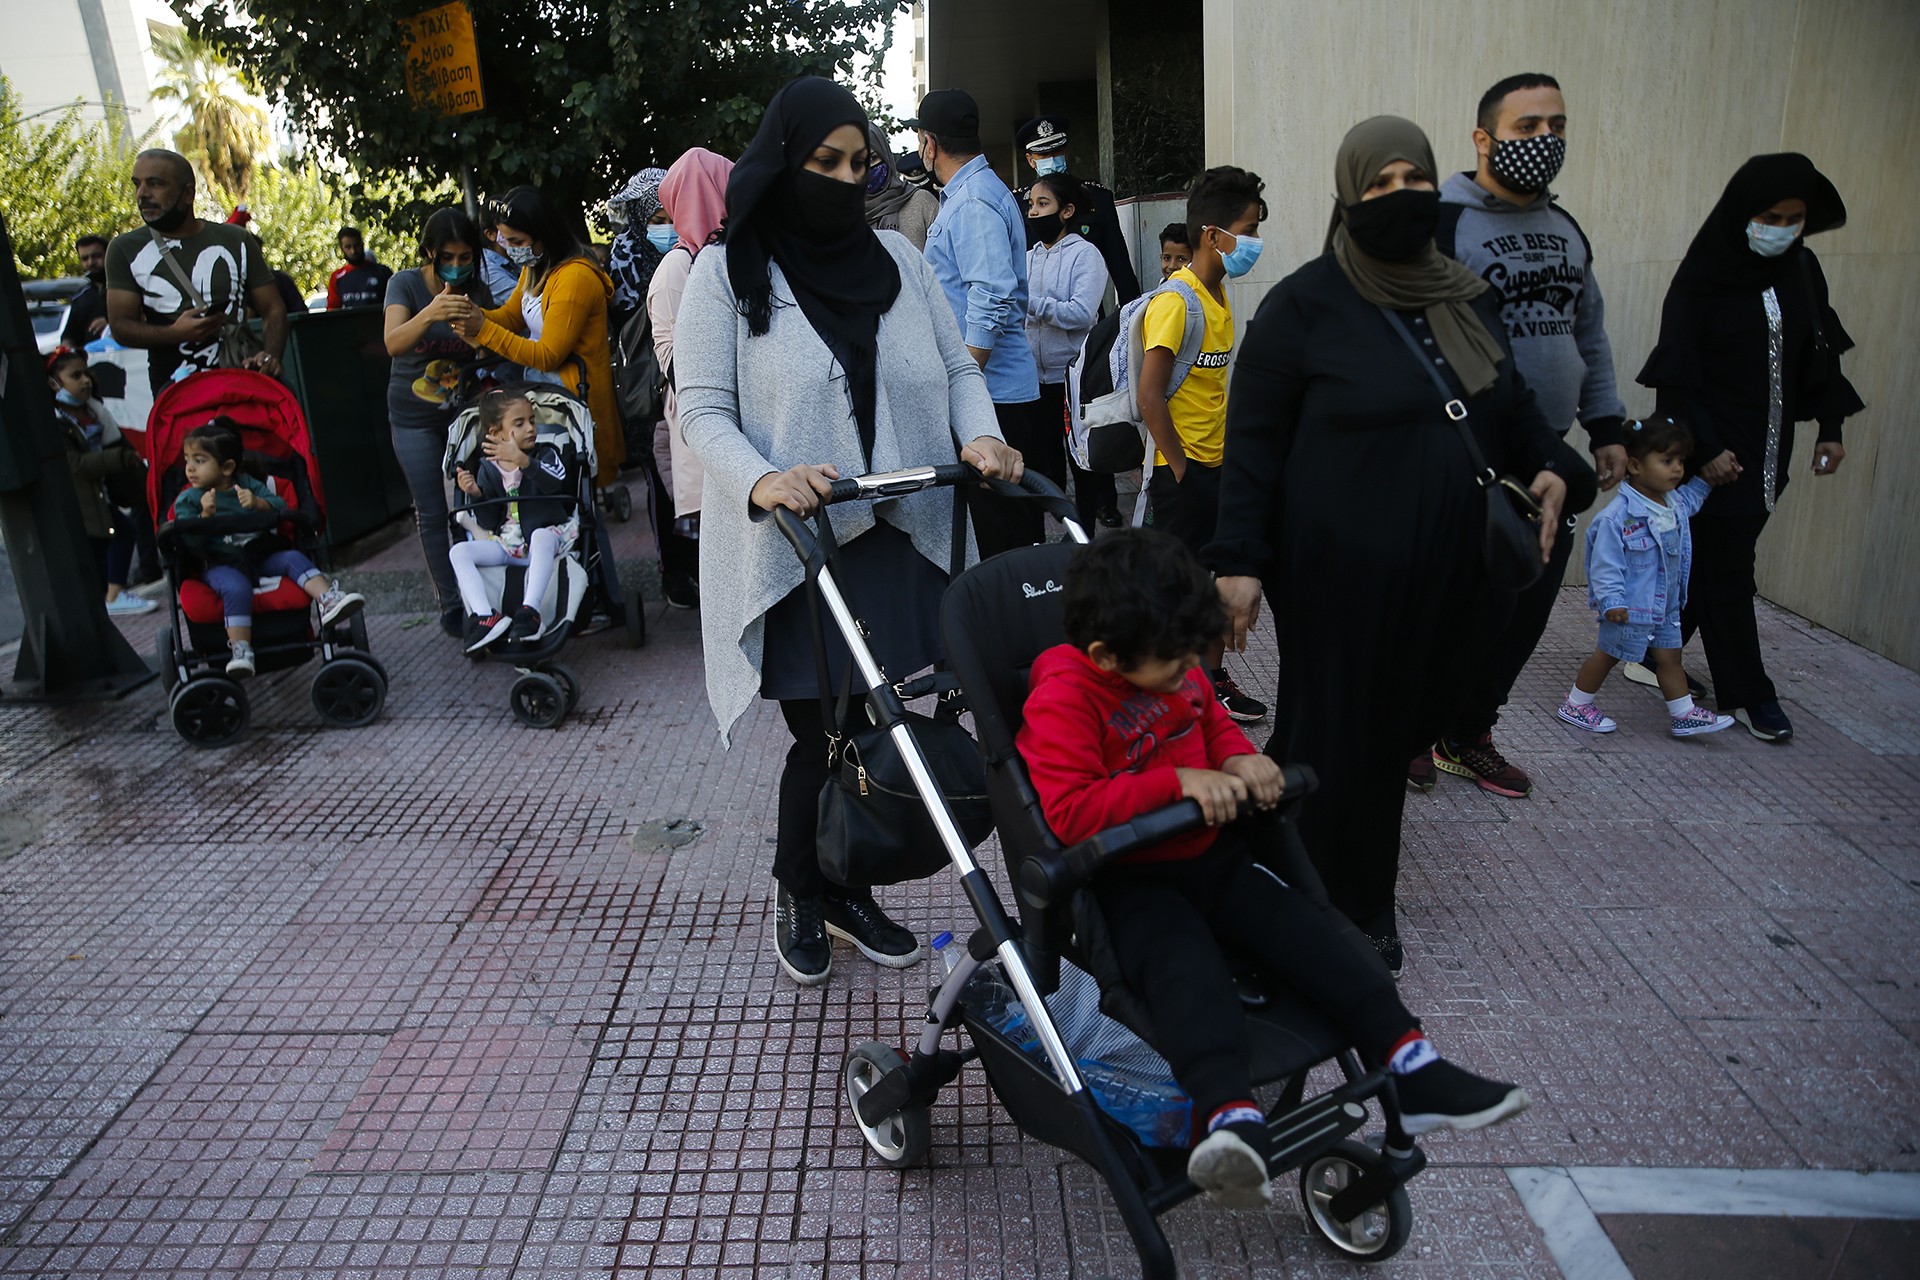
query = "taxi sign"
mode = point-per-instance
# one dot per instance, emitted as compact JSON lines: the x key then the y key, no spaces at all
{"x":443,"y":60}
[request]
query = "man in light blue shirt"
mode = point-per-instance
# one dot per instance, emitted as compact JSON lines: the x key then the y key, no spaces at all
{"x":977,"y":247}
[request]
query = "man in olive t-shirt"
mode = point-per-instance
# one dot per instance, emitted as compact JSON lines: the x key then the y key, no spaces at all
{"x":147,"y":305}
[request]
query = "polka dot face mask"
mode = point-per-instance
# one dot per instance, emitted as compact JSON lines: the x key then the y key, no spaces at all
{"x":1527,"y":165}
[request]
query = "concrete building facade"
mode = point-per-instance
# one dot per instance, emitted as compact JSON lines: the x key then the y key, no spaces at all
{"x":1665,"y":100}
{"x":96,"y":51}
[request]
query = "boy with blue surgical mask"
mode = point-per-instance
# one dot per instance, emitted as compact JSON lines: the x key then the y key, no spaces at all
{"x":1189,"y":427}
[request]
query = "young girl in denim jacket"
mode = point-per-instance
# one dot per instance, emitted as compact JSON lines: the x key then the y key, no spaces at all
{"x":1639,"y":553}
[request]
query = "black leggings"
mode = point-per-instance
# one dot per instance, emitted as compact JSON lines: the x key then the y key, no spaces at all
{"x":1171,"y":923}
{"x":796,"y":857}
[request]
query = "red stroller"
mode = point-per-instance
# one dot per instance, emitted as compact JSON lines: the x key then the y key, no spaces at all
{"x":209,"y":708}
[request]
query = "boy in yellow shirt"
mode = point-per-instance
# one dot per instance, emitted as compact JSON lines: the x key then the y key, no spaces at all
{"x":1189,"y":428}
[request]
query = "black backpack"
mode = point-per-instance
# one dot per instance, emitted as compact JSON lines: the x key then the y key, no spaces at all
{"x":639,"y":386}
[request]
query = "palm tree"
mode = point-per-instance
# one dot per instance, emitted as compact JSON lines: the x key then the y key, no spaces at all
{"x":226,"y":125}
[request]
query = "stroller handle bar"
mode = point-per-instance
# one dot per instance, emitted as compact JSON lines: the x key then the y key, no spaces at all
{"x":1049,"y":879}
{"x":880,"y":485}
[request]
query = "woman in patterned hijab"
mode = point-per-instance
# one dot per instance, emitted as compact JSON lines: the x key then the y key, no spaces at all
{"x":634,"y":257}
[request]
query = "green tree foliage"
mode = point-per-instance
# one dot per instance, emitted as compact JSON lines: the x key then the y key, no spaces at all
{"x":298,"y":213}
{"x":225,"y":128}
{"x":579,"y":93}
{"x":60,"y":178}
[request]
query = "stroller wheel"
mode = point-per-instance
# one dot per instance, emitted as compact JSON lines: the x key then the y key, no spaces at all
{"x":636,"y":620}
{"x":903,"y":1138}
{"x":169,"y":659}
{"x":538,"y":700}
{"x":568,"y":681}
{"x":619,"y":500}
{"x":349,"y":692}
{"x":209,"y":711}
{"x":1377,"y":1233}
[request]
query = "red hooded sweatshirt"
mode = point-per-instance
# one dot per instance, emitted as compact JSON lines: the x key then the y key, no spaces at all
{"x":1101,"y":750}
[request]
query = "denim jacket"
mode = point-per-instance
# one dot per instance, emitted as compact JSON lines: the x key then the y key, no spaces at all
{"x":978,"y":248}
{"x":1630,"y":566}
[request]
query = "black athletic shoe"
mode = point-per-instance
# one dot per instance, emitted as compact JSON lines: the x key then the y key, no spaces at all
{"x":855,"y":916}
{"x":682,"y":590}
{"x":1443,"y":1096}
{"x":1765,"y":721}
{"x":800,"y":937}
{"x":451,"y":619}
{"x":526,"y":623}
{"x":1238,"y":705}
{"x":1392,"y":954}
{"x":1109,"y":518}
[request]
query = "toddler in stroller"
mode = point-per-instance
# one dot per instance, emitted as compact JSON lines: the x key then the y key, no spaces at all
{"x":1121,"y":721}
{"x":523,"y":514}
{"x":231,"y":563}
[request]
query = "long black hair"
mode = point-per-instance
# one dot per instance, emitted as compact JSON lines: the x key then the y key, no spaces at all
{"x":528,"y":211}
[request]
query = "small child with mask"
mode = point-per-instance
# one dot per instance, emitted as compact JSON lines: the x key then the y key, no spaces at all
{"x":107,"y":475}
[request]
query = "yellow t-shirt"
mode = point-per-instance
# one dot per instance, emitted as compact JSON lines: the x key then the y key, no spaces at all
{"x":1199,"y":407}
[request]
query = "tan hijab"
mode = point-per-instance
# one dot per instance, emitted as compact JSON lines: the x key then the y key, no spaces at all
{"x":1430,"y":281}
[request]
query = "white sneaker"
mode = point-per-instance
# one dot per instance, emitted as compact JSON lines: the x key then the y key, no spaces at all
{"x":337,"y":604}
{"x":241,"y":663}
{"x":1231,"y":1172}
{"x":128,"y":605}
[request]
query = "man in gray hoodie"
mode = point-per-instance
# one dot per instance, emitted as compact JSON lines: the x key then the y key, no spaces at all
{"x":1503,"y":222}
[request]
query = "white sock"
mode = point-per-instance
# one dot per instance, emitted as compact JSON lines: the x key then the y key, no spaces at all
{"x":1412,"y":1053}
{"x":1679,"y":706}
{"x":1579,"y":699}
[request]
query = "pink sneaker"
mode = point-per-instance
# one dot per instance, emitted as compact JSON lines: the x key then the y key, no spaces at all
{"x":1588,"y":717}
{"x":1699,"y":721}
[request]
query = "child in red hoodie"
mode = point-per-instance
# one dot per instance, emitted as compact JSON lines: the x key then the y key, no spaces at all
{"x":1123,"y":720}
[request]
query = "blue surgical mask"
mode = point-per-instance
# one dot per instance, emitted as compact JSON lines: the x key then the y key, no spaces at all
{"x":662,"y":236}
{"x":1770,"y":242}
{"x":1050,"y":164}
{"x":67,"y":398}
{"x":1246,"y":252}
{"x":520,"y":255}
{"x":454,"y":275}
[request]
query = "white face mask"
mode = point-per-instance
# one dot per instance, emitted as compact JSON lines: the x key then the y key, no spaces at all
{"x":1770,"y":242}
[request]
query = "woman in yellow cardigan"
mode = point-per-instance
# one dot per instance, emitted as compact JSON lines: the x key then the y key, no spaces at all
{"x":555,"y":323}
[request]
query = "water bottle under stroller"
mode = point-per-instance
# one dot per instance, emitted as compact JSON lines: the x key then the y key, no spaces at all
{"x":1133,"y":1084}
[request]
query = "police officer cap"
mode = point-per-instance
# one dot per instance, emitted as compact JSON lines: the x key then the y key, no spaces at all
{"x":1043,"y":135}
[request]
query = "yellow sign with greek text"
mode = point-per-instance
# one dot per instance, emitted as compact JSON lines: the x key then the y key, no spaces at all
{"x":443,"y":60}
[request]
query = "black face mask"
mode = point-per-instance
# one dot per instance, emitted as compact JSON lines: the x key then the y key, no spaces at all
{"x":173,"y":218}
{"x":1046,"y":227}
{"x":1396,"y":227}
{"x":826,"y":208}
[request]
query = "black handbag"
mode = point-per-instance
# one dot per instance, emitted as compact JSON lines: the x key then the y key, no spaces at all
{"x":1510,"y":545}
{"x":873,"y":827}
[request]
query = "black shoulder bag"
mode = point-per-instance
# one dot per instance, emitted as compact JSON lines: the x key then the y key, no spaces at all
{"x":873,"y":827}
{"x":1511,"y":543}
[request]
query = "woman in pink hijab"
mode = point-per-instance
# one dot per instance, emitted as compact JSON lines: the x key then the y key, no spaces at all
{"x":694,"y":196}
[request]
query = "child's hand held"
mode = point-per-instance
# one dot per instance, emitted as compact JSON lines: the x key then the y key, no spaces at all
{"x":1219,"y":793}
{"x":209,"y":501}
{"x":1616,"y":615}
{"x":1261,"y":775}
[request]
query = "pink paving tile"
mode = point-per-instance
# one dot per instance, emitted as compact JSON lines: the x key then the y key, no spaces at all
{"x":470,"y":1098}
{"x":1727,"y":964}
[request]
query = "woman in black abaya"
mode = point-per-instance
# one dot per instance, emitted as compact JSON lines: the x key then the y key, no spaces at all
{"x":1348,"y":493}
{"x":1750,"y":345}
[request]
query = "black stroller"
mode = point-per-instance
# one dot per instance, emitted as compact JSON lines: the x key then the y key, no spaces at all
{"x":995,"y":622}
{"x":587,"y":578}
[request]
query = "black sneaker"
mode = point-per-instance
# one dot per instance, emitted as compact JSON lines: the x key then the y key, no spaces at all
{"x":452,"y":619}
{"x":1230,"y":1165}
{"x":526,"y":623}
{"x":1238,"y":705}
{"x":1765,"y":721}
{"x":800,"y":937}
{"x":481,"y":632}
{"x":1392,"y":954}
{"x":682,"y":590}
{"x":1443,"y":1096}
{"x":1109,"y":518}
{"x":855,"y":916}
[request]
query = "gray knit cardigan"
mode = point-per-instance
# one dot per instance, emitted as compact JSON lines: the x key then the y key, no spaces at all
{"x":751,"y":405}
